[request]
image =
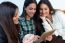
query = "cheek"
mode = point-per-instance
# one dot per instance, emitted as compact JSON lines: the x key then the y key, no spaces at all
{"x":32,"y":11}
{"x":28,"y":12}
{"x":46,"y":13}
{"x":14,"y":18}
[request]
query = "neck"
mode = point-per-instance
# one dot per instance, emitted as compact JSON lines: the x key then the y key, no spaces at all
{"x":28,"y":17}
{"x":50,"y":18}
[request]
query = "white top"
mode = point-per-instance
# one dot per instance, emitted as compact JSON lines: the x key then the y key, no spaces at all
{"x":58,"y":24}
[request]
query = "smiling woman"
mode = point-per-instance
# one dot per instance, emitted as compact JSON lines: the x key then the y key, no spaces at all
{"x":51,"y":19}
{"x":26,"y":19}
{"x":9,"y":33}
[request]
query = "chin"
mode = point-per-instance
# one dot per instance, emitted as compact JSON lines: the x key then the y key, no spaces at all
{"x":16,"y":22}
{"x":31,"y":16}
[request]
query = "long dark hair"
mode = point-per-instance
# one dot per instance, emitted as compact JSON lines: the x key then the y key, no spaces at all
{"x":11,"y":5}
{"x":6,"y":20}
{"x":26,"y":3}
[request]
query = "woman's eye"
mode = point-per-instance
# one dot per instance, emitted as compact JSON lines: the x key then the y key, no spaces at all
{"x":45,"y":8}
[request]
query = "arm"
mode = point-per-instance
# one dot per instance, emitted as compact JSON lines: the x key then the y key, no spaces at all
{"x":3,"y":38}
{"x":62,"y":21}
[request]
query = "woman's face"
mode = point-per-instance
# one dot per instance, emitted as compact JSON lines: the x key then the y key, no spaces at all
{"x":30,"y":10}
{"x":44,"y":10}
{"x":16,"y":16}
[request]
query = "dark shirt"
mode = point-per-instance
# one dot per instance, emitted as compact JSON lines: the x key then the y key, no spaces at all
{"x":3,"y":37}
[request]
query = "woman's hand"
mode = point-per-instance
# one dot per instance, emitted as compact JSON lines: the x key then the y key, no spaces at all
{"x":49,"y":38}
{"x":36,"y":38}
{"x":28,"y":38}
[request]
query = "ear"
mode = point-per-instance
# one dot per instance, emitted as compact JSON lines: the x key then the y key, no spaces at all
{"x":51,"y":12}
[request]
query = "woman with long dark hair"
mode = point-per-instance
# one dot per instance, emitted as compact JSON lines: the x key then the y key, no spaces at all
{"x":51,"y":20}
{"x":26,"y":19}
{"x":8,"y":15}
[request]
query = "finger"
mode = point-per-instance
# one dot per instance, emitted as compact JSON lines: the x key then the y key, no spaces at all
{"x":37,"y":36}
{"x":49,"y":38}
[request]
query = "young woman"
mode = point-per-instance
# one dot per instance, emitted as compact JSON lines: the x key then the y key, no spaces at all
{"x":8,"y":17}
{"x":16,"y":22}
{"x":26,"y":19}
{"x":51,"y":19}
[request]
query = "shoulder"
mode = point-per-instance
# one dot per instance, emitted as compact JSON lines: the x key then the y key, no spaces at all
{"x":59,"y":13}
{"x":59,"y":16}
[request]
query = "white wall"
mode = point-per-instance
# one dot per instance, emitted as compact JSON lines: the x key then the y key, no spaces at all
{"x":58,"y":4}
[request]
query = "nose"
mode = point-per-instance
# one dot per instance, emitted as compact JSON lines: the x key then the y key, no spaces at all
{"x":43,"y":11}
{"x":17,"y":17}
